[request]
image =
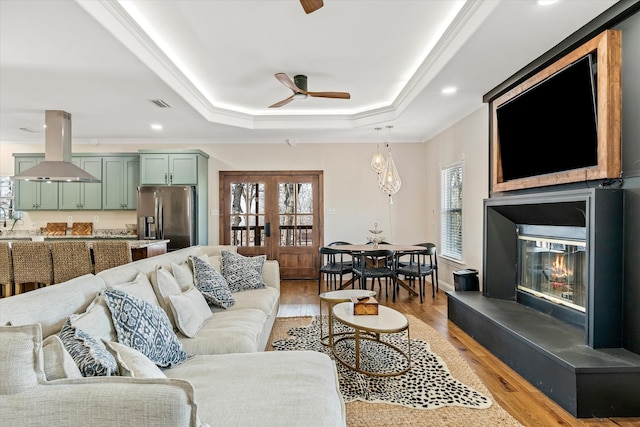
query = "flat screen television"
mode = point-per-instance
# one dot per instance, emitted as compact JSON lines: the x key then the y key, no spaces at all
{"x":552,"y":126}
{"x":562,"y":124}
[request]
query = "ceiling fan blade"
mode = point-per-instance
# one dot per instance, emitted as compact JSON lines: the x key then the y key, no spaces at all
{"x":311,"y":5}
{"x":283,"y":102}
{"x":286,"y":80}
{"x":341,"y":95}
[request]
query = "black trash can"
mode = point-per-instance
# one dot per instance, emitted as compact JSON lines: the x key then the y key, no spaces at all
{"x":466,"y":280}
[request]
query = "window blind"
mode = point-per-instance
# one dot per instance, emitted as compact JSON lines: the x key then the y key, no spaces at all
{"x":451,"y":208}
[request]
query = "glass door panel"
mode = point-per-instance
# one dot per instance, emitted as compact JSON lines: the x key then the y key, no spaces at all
{"x":247,"y":213}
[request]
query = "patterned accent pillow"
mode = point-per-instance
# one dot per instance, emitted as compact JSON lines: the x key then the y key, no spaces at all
{"x":211,"y":284}
{"x":242,"y":273}
{"x":145,"y":327}
{"x":90,"y":355}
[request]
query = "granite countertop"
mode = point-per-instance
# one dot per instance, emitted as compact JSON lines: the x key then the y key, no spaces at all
{"x":97,"y":234}
{"x":111,"y":233}
{"x":139,"y":244}
{"x":134,"y":243}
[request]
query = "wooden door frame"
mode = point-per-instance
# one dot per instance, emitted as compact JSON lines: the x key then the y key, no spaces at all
{"x":310,"y":258}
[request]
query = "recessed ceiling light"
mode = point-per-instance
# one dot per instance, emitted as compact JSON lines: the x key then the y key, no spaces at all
{"x":156,"y":126}
{"x":546,"y":2}
{"x":449,"y":90}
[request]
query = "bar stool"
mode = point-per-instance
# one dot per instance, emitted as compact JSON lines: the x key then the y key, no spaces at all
{"x":6,"y":269}
{"x":108,"y":254}
{"x":70,"y":259}
{"x":31,"y":264}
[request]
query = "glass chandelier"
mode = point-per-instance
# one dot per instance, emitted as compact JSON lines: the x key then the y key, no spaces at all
{"x":377,"y":161}
{"x":389,"y":179}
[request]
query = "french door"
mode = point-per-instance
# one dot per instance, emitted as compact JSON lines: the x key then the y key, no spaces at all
{"x":274,"y":213}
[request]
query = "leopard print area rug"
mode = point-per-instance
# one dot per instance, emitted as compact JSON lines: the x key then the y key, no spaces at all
{"x":427,"y":385}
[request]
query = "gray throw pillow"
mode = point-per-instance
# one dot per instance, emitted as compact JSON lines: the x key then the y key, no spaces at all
{"x":211,"y":284}
{"x":90,"y":355}
{"x":242,"y":273}
{"x":144,"y":327}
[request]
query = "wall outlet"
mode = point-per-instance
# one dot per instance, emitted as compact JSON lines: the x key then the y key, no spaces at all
{"x":70,"y":219}
{"x":331,"y":211}
{"x":34,"y":225}
{"x":96,"y":218}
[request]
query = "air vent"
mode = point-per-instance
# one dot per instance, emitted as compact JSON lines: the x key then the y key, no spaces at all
{"x":160,"y":103}
{"x":30,"y":130}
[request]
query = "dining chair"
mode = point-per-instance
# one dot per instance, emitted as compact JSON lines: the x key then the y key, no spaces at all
{"x":70,"y":259}
{"x":334,"y":265}
{"x":375,"y":264}
{"x":110,"y":253}
{"x":418,"y":268}
{"x":403,"y":260}
{"x":6,"y":269}
{"x":31,"y":264}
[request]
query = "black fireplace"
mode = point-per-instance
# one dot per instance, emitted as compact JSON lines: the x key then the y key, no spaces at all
{"x":523,"y":235}
{"x":552,"y":298}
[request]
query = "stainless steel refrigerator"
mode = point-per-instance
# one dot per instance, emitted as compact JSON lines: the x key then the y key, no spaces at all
{"x":167,"y":212}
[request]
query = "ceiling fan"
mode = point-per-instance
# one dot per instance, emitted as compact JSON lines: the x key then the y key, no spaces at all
{"x":299,"y":87}
{"x":311,"y":5}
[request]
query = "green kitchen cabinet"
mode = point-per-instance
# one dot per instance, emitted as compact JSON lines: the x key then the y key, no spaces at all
{"x":180,"y":167}
{"x":120,"y":180}
{"x":31,"y":195}
{"x":169,"y":168}
{"x":82,"y":195}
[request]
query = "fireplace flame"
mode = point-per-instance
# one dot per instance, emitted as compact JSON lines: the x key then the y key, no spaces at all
{"x":559,"y":270}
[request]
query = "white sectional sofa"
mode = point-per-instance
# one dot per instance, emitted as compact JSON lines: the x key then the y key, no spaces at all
{"x":227,"y":380}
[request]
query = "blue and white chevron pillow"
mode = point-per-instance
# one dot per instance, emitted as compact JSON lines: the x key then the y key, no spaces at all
{"x":91,"y":356}
{"x":242,"y":273}
{"x":211,"y":284}
{"x":144,"y":327}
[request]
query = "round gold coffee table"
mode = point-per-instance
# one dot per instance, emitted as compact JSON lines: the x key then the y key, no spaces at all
{"x":370,"y":327}
{"x":331,"y":299}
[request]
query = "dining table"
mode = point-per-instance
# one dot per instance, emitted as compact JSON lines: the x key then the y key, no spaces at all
{"x":396,"y":249}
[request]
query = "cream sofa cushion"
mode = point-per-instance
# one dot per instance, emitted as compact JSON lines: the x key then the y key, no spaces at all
{"x":140,"y":288}
{"x":265,"y":300}
{"x":190,"y":311}
{"x":236,"y":331}
{"x":309,"y":392}
{"x":132,"y":363}
{"x":96,"y":320}
{"x":165,"y":285}
{"x":58,"y":363}
{"x":183,"y":274}
{"x":20,"y":358}
{"x":51,"y":306}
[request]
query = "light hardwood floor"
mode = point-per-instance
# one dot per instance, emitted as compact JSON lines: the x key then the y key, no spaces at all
{"x":522,"y":400}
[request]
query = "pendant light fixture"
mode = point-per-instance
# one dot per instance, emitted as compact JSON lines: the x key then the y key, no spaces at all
{"x":377,"y":161}
{"x":389,"y":179}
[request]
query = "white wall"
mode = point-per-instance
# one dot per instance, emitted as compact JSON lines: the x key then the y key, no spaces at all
{"x":466,"y":141}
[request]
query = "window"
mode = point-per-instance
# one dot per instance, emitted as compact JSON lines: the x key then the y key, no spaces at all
{"x":451,"y":208}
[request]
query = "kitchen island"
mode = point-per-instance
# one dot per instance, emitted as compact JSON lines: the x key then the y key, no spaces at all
{"x":139,"y":248}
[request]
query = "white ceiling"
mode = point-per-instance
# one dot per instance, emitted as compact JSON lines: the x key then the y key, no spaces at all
{"x":214,"y":62}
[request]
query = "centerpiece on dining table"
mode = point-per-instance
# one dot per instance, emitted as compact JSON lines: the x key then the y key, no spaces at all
{"x":376,"y":239}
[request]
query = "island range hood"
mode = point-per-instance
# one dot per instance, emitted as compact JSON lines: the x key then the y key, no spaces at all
{"x":57,"y":166}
